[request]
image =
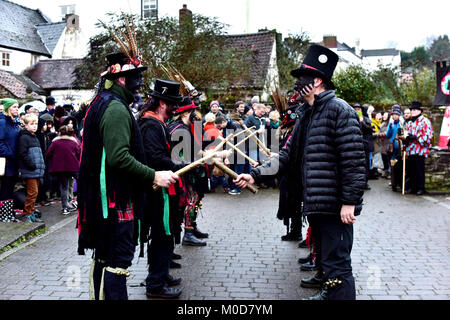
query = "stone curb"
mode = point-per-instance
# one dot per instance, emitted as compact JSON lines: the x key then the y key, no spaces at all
{"x":50,"y":230}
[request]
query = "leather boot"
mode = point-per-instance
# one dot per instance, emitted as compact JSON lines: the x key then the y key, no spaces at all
{"x":309,"y":266}
{"x":303,"y":244}
{"x":321,"y":295}
{"x":314,"y":282}
{"x":198,"y":234}
{"x":189,"y":239}
{"x":305,"y":259}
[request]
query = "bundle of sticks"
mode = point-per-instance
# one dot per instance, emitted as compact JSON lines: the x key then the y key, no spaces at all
{"x":186,"y":88}
{"x":208,"y":157}
{"x":280,"y":100}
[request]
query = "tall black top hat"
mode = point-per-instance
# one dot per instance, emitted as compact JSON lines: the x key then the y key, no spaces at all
{"x":167,"y":90}
{"x":319,"y":62}
{"x":416,"y":105}
{"x":119,"y":65}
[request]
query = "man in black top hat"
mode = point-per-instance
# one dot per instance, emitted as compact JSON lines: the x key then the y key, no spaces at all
{"x":50,"y":102}
{"x":325,"y":161}
{"x":161,"y":205}
{"x":113,"y":177}
{"x":420,"y":135}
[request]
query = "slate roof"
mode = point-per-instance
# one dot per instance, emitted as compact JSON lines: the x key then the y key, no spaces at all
{"x":54,"y":74}
{"x":51,"y":33}
{"x":11,"y":84}
{"x":17,"y":28}
{"x":260,"y":45}
{"x":380,"y":52}
{"x":30,"y":84}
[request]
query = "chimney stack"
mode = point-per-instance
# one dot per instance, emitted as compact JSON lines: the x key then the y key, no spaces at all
{"x":72,"y":21}
{"x":185,"y":15}
{"x":330,"y":41}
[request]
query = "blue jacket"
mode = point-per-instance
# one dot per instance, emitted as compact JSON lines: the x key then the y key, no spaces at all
{"x":391,"y":133}
{"x":29,"y":154}
{"x":9,"y":131}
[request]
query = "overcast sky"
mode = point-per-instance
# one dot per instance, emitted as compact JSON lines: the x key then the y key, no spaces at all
{"x":377,"y":24}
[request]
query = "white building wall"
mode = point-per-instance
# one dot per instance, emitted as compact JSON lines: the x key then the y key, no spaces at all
{"x":372,"y":63}
{"x":71,"y":45}
{"x":77,"y":96}
{"x":272,"y":80}
{"x":18,"y":60}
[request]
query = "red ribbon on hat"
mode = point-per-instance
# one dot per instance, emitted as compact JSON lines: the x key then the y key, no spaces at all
{"x":184,"y":108}
{"x":309,"y":67}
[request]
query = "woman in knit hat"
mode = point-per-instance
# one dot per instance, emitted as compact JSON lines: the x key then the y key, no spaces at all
{"x":9,"y":131}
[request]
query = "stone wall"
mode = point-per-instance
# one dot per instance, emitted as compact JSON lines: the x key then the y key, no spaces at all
{"x":437,"y":170}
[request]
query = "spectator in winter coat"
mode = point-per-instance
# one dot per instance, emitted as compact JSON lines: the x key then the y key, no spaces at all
{"x":420,"y":134}
{"x":367,"y":131}
{"x":393,"y":134}
{"x":64,"y":154}
{"x":9,"y":131}
{"x":31,"y":164}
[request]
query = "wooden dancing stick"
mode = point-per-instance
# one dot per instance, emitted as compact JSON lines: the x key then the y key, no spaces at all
{"x":252,"y":162}
{"x":244,"y":131}
{"x":233,"y":174}
{"x":246,"y":138}
{"x":208,"y":155}
{"x":259,"y":143}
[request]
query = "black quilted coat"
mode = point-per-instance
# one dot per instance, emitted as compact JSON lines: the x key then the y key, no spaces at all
{"x":330,"y":171}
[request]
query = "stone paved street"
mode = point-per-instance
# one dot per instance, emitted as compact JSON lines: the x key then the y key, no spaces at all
{"x":401,"y":251}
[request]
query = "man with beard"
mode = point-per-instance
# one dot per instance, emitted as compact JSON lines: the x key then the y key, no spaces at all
{"x":161,"y":204}
{"x":112,"y":178}
{"x":325,"y":161}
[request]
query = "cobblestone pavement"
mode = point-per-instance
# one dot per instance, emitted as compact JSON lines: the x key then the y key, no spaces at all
{"x":401,"y":251}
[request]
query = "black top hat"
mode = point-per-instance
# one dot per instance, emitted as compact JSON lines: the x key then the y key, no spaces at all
{"x":167,"y":90}
{"x":50,"y":101}
{"x":185,"y":105}
{"x":319,"y":62}
{"x":119,"y":65}
{"x":416,"y":105}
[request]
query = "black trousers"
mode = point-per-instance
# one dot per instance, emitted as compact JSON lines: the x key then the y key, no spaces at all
{"x":159,"y":255}
{"x":415,"y":166}
{"x":117,"y":251}
{"x":333,"y":243}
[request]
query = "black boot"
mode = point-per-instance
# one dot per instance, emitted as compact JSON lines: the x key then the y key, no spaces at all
{"x":309,"y":266}
{"x":303,"y":244}
{"x":174,"y":265}
{"x":314,"y":282}
{"x":305,"y":259}
{"x":189,"y":239}
{"x":198,"y":234}
{"x":321,"y":295}
{"x":164,"y":293}
{"x":176,"y":256}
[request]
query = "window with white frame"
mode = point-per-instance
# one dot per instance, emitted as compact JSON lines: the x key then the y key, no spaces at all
{"x":149,"y":8}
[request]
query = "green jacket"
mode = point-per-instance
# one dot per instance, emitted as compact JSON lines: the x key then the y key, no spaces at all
{"x":115,"y":128}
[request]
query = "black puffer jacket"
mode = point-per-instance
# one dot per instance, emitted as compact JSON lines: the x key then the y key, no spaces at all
{"x":331,"y":171}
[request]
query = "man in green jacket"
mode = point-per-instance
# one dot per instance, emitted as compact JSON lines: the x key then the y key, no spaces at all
{"x":112,"y":179}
